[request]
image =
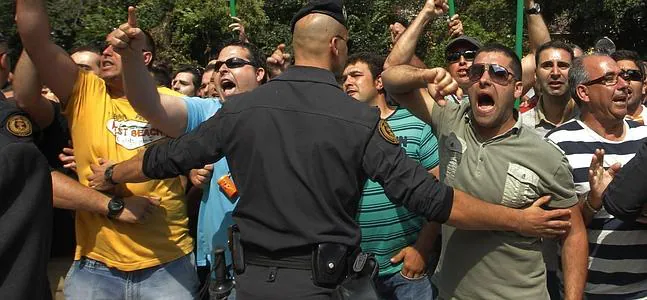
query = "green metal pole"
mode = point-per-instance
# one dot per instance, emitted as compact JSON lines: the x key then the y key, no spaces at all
{"x":232,"y":8}
{"x":452,"y":8}
{"x":519,"y":37}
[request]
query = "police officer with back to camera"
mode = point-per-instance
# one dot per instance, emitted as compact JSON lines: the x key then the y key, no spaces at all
{"x":300,"y":151}
{"x":25,"y":202}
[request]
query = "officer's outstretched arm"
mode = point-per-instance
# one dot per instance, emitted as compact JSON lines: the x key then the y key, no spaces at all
{"x":406,"y":182}
{"x":176,"y":156}
{"x":54,"y":65}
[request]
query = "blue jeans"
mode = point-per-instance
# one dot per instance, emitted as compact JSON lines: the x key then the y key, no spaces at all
{"x":91,"y":279}
{"x":397,"y":286}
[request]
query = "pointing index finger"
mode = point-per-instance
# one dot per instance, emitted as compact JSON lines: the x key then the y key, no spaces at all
{"x":132,"y":17}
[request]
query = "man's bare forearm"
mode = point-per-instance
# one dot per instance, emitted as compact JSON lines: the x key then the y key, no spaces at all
{"x":575,"y":251}
{"x":404,"y":79}
{"x":130,"y":171}
{"x":27,"y":89}
{"x":70,"y":194}
{"x":55,"y":67}
{"x":405,"y":48}
{"x":538,"y":33}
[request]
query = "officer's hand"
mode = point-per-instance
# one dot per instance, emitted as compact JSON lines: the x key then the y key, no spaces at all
{"x":98,"y":180}
{"x":128,"y":38}
{"x":137,"y":209}
{"x":455,"y":27}
{"x":68,"y":159}
{"x":440,"y":84}
{"x":415,"y":263}
{"x":279,"y":61}
{"x":201,"y":177}
{"x":238,"y":26}
{"x":599,"y":178}
{"x":435,"y":8}
{"x":537,"y":222}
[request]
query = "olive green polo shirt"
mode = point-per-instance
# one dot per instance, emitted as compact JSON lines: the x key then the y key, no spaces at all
{"x":513,"y":169}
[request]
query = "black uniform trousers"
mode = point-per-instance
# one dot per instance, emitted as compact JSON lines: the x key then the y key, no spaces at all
{"x":260,"y":282}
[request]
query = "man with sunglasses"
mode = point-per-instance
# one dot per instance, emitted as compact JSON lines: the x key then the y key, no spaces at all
{"x":631,"y":67}
{"x":617,"y":257}
{"x":485,"y":150}
{"x":114,"y":259}
{"x":459,"y":55}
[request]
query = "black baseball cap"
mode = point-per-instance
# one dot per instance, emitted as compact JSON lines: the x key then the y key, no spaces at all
{"x":333,"y":8}
{"x":463,"y":40}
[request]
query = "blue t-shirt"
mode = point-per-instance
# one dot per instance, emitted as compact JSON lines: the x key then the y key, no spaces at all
{"x":215,"y":207}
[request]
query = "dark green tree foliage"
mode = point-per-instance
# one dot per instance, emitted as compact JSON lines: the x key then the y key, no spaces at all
{"x":190,"y":31}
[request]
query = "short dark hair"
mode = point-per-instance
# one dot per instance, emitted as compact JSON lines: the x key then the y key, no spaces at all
{"x":515,"y":63}
{"x":86,"y":49}
{"x":554,"y":44}
{"x":150,"y":46}
{"x":4,"y":43}
{"x":256,"y":57}
{"x":630,"y":56}
{"x":375,"y":62}
{"x":162,"y":74}
{"x":197,"y":74}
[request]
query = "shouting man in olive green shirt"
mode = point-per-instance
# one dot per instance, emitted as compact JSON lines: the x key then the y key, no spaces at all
{"x":487,"y":152}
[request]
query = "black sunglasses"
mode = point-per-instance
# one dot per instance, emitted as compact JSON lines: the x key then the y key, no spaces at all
{"x":499,"y":74}
{"x":456,"y":56}
{"x":631,"y":75}
{"x":233,"y":63}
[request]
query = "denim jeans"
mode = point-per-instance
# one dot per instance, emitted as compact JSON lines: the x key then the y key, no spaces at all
{"x":397,"y":286}
{"x":91,"y":279}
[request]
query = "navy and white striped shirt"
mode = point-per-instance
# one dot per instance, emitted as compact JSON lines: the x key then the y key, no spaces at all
{"x":617,"y":249}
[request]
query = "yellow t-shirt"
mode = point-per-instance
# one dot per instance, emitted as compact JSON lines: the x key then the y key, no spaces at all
{"x":103,"y":127}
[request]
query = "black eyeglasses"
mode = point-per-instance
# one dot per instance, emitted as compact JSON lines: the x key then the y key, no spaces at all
{"x":233,"y":63}
{"x":456,"y":56}
{"x":499,"y":74}
{"x":631,"y":75}
{"x":608,"y":79}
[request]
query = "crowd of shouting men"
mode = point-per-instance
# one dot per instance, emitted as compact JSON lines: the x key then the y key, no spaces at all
{"x":323,"y":174}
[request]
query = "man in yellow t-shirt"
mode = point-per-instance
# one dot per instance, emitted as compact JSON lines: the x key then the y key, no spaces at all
{"x":113,"y":259}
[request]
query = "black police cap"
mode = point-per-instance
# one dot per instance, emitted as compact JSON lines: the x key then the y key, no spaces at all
{"x":333,"y":8}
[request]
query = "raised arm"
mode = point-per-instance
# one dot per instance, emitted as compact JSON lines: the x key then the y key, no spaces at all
{"x":168,"y":113}
{"x":55,"y":67}
{"x":538,"y":35}
{"x":416,"y":88}
{"x":405,"y":47}
{"x":27,"y":87}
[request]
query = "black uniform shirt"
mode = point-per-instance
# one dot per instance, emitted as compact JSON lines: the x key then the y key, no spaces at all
{"x":300,"y":151}
{"x":25,"y":208}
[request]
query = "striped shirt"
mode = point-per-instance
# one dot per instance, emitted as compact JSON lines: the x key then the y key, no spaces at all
{"x":617,"y":249}
{"x":387,"y":228}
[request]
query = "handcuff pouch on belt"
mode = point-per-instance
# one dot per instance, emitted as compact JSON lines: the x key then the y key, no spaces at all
{"x":329,"y":264}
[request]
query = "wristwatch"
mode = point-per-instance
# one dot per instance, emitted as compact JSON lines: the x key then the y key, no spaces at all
{"x":115,"y":206}
{"x":108,"y":174}
{"x":534,"y":10}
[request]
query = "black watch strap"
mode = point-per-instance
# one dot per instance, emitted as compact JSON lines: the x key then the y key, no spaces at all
{"x":115,"y":206}
{"x":534,"y":10}
{"x":108,"y":174}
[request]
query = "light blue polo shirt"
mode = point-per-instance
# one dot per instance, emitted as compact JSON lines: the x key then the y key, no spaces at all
{"x":215,"y":207}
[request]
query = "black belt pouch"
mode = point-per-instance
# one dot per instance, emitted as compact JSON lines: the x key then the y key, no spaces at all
{"x":329,"y":264}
